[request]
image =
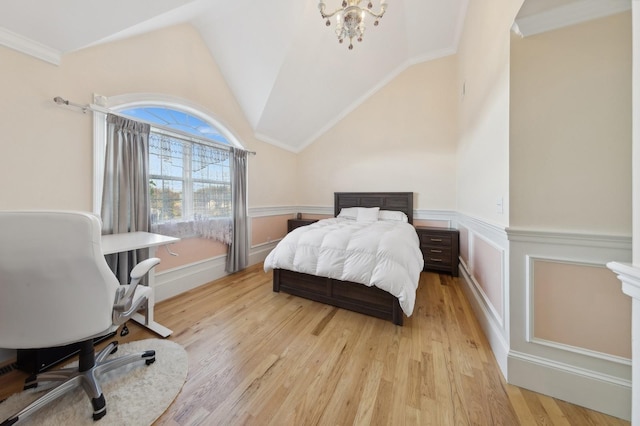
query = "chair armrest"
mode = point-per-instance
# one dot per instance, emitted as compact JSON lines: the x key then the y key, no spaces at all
{"x":123,"y":301}
{"x":121,"y":316}
{"x":143,"y":268}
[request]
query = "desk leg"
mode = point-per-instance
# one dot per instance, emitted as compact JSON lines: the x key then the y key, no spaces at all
{"x":152,"y":325}
{"x":147,"y":319}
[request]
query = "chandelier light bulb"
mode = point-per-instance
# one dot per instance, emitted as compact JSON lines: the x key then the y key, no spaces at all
{"x":350,"y":18}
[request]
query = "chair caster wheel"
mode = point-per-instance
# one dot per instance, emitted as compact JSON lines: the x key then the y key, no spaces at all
{"x":150,"y":361}
{"x":99,"y":407}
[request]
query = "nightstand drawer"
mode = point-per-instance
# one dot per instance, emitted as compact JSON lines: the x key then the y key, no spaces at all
{"x":436,"y":252}
{"x":432,"y":239}
{"x":436,"y":260}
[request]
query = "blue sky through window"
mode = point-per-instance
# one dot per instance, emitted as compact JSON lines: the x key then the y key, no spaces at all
{"x":177,"y":120}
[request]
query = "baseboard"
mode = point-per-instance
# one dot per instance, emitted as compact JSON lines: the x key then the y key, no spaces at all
{"x":490,"y":325}
{"x":597,"y":391}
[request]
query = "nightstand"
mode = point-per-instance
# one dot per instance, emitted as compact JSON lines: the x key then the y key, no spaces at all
{"x":439,"y":248}
{"x":296,"y":223}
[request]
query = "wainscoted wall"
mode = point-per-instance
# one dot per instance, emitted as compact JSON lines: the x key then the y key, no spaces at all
{"x":203,"y":261}
{"x":569,"y":327}
{"x":188,"y":250}
{"x":484,"y":254}
{"x":265,"y":229}
{"x":551,"y":310}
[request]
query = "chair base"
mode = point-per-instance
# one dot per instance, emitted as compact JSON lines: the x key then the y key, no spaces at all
{"x":90,"y":366}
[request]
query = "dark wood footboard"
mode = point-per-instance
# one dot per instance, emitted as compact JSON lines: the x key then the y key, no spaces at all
{"x":343,"y":294}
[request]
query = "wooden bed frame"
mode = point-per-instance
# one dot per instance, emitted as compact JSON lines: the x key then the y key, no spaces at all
{"x":346,"y":294}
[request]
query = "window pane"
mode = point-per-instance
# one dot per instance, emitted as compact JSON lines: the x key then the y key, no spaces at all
{"x":211,"y":181}
{"x":212,"y":200}
{"x":166,"y":197}
{"x":166,"y":156}
{"x":210,"y":164}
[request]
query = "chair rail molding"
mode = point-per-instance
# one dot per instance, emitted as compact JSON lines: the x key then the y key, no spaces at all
{"x":629,"y":275}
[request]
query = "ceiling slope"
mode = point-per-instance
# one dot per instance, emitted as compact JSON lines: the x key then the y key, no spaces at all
{"x":285,"y":67}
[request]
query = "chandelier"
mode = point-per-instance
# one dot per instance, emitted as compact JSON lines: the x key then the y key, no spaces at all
{"x":350,"y":18}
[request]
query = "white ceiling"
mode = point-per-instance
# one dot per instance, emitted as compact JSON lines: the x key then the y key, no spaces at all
{"x":288,"y":72}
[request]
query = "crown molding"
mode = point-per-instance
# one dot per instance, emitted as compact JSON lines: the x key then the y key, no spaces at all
{"x":29,"y":47}
{"x":570,"y":14}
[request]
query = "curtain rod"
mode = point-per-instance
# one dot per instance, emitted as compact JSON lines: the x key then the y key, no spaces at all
{"x":95,"y":108}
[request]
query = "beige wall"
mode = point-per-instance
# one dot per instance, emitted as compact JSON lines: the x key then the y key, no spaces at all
{"x":571,"y":128}
{"x":48,"y":149}
{"x":48,"y":156}
{"x":483,"y":139}
{"x":400,"y":139}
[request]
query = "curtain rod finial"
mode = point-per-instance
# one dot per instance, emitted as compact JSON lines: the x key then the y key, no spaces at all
{"x":59,"y":100}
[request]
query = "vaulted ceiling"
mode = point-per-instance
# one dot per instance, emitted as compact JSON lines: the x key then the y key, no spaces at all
{"x":286,"y":69}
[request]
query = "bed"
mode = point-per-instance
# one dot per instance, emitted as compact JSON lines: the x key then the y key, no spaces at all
{"x":365,"y":299}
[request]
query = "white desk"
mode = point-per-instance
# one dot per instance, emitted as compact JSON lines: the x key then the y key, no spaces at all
{"x":118,"y":243}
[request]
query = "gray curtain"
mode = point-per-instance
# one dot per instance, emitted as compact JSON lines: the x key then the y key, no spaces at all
{"x":125,"y":194}
{"x":238,"y":254}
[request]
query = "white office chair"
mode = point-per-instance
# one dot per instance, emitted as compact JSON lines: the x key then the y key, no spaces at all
{"x":56,"y":289}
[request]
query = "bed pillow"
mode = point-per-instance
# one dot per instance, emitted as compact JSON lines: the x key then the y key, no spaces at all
{"x":391,"y":215}
{"x":368,"y":214}
{"x":348,"y":213}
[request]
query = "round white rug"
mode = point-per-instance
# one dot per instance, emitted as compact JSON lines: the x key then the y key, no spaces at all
{"x":136,"y":394}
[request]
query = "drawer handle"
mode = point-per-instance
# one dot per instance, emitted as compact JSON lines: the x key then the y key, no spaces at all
{"x":435,"y":260}
{"x":436,"y":239}
{"x":435,"y":251}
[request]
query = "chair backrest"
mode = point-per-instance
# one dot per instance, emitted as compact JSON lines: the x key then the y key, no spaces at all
{"x":55,"y":285}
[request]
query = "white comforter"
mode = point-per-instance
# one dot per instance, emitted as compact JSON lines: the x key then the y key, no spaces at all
{"x":383,"y":253}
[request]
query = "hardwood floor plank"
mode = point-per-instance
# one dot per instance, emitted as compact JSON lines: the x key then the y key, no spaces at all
{"x":553,"y":410}
{"x":368,"y":400}
{"x":495,"y":396}
{"x":262,"y":358}
{"x":520,"y":405}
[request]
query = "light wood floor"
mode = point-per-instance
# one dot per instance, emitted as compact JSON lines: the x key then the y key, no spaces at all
{"x":263,"y":358}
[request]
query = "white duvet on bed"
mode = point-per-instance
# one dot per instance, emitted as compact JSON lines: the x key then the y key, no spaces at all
{"x":384,"y":254}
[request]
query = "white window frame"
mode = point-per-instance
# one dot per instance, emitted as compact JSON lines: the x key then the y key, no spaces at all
{"x":122,"y":102}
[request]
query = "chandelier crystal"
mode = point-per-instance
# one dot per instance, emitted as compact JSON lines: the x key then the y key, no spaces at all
{"x":350,"y":18}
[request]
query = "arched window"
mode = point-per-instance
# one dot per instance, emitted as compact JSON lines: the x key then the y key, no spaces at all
{"x":174,"y":119}
{"x":190,"y":179}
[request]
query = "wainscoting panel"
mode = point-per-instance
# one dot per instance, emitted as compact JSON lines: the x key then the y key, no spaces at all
{"x":484,"y":267}
{"x":579,"y":307}
{"x":569,"y":326}
{"x":266,"y":229}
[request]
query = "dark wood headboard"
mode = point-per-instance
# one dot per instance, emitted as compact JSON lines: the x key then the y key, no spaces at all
{"x":397,"y":201}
